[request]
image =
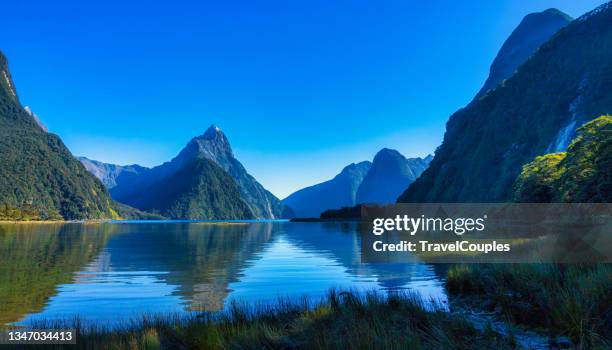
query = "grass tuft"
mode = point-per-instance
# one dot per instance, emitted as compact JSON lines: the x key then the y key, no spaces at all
{"x":343,"y":320}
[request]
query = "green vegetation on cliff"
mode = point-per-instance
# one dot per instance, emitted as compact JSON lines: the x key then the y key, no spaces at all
{"x":564,"y":84}
{"x":582,"y":174}
{"x":200,"y":190}
{"x":39,"y":177}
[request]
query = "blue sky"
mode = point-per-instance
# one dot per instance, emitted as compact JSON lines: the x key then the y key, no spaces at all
{"x":301,"y":88}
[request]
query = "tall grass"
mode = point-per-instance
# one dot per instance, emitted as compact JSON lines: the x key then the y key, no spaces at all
{"x":570,"y":300}
{"x":343,"y":320}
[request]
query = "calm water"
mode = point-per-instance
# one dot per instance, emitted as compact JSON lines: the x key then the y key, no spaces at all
{"x":116,"y":271}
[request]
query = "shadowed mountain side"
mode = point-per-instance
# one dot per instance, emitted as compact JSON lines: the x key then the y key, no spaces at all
{"x":214,"y":145}
{"x":335,"y":193}
{"x":534,"y":30}
{"x":536,"y":111}
{"x":111,"y":174}
{"x":380,"y":182}
{"x":199,"y":190}
{"x":389,"y":176}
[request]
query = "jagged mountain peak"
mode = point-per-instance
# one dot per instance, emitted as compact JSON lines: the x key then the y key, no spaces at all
{"x":213,"y":145}
{"x":213,"y":132}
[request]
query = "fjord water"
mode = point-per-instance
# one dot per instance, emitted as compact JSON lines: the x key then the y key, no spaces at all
{"x":114,"y":272}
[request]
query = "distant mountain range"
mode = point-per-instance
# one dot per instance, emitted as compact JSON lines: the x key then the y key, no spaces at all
{"x":335,"y":193}
{"x":381,"y":181}
{"x":564,"y":84}
{"x":204,"y":181}
{"x":111,"y":174}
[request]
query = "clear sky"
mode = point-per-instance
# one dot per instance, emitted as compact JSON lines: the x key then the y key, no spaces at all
{"x":301,"y":88}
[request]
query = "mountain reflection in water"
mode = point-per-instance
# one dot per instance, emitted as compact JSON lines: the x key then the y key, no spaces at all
{"x":112,"y":272}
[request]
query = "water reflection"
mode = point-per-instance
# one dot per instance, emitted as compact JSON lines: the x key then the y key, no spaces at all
{"x":35,"y":259}
{"x":117,"y":271}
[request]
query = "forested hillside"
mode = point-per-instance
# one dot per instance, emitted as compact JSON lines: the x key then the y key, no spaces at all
{"x":39,"y":177}
{"x":582,"y":174}
{"x":563,"y":85}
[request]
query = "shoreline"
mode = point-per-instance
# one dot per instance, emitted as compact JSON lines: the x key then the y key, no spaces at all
{"x":26,"y":222}
{"x":102,"y":221}
{"x":327,"y":323}
{"x":323,"y":220}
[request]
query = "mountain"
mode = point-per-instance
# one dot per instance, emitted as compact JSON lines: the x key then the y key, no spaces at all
{"x":214,"y":147}
{"x":338,"y":192}
{"x":200,"y":189}
{"x":111,"y":174}
{"x":381,"y":181}
{"x":583,"y":174}
{"x":389,"y":176}
{"x":39,"y":177}
{"x":564,"y":84}
{"x":534,"y":30}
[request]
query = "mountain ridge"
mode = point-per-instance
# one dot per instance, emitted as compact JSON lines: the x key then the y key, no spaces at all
{"x":213,"y":146}
{"x":109,"y":173}
{"x":347,"y":189}
{"x":39,"y":177}
{"x":523,"y":116}
{"x":199,"y":190}
{"x":337,"y":192}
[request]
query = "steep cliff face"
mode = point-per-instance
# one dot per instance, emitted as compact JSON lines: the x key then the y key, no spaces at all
{"x":111,"y":174}
{"x":564,"y":84}
{"x":6,"y":81}
{"x":341,"y":191}
{"x":39,"y":177}
{"x":199,"y":190}
{"x":534,"y":30}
